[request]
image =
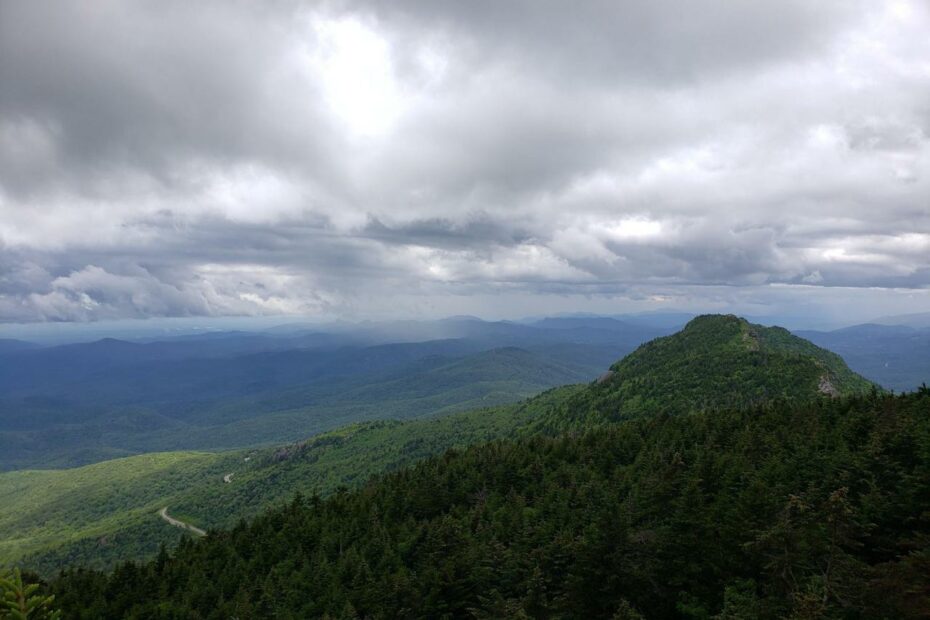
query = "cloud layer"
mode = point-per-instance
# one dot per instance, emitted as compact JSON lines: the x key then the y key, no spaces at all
{"x":373,"y":159}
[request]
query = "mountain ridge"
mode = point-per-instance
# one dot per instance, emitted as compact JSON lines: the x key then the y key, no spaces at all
{"x":715,"y":361}
{"x":348,"y":456}
{"x":800,"y":510}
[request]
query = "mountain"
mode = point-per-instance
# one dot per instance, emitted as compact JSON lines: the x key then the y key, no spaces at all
{"x":576,"y":322}
{"x":670,"y":319}
{"x":100,"y":514}
{"x":715,"y":362}
{"x":9,"y":345}
{"x":800,"y":510}
{"x":502,"y":333}
{"x":65,"y":509}
{"x":267,"y":398}
{"x":917,"y":320}
{"x":894,"y":356}
{"x":76,"y":404}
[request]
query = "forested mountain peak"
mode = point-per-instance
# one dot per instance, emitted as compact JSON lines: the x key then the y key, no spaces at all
{"x":723,"y":332}
{"x":715,"y":361}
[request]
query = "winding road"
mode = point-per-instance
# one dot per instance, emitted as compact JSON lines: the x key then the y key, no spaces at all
{"x":163,"y":513}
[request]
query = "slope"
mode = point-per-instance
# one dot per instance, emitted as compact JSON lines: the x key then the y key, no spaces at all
{"x":56,"y":508}
{"x":791,"y":510}
{"x":712,"y":363}
{"x":99,"y":514}
{"x":715,"y":362}
{"x":268,"y":398}
{"x":896,"y":356}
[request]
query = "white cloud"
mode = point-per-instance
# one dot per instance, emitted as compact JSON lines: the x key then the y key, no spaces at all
{"x":177,"y":159}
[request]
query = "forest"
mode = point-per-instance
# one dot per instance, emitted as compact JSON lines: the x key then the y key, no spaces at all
{"x":105,"y":513}
{"x":783,"y":510}
{"x":441,"y":310}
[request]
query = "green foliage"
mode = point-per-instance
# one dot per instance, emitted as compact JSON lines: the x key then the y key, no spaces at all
{"x":50,"y":509}
{"x":350,"y":456}
{"x":815,"y":510}
{"x":100,"y":514}
{"x":714,"y":362}
{"x":21,"y":601}
{"x":215,"y":404}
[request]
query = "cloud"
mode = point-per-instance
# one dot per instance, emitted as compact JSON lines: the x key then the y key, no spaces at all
{"x":367,"y":158}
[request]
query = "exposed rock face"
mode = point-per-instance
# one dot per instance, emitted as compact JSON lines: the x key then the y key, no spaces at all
{"x":606,"y":376}
{"x":826,"y":387}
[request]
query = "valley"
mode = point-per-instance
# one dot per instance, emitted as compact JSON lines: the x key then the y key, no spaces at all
{"x":691,"y":371}
{"x":76,"y":404}
{"x":702,"y":508}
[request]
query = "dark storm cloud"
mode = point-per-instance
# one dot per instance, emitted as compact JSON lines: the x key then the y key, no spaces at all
{"x":480,"y":230}
{"x":170,"y":159}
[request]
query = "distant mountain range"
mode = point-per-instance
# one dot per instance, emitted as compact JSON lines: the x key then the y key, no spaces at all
{"x":74,"y":404}
{"x":918,"y":320}
{"x":714,"y":363}
{"x":895,"y":356}
{"x":9,"y":345}
{"x":727,"y":471}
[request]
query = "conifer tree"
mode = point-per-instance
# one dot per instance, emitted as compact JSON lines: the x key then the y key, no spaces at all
{"x":19,"y":600}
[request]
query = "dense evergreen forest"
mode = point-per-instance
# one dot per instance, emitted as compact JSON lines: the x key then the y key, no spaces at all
{"x":715,"y":361}
{"x":102,"y":514}
{"x":817,"y":510}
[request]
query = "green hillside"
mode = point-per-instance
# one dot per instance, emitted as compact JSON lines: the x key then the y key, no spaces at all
{"x":275,"y":403}
{"x":352,"y":455}
{"x":58,"y":508}
{"x":103,"y":513}
{"x":790,"y":510}
{"x":712,"y":363}
{"x":715,"y":362}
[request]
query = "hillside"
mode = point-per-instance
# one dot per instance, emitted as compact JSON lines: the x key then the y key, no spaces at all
{"x":715,"y":362}
{"x":895,"y":356}
{"x":9,"y":345}
{"x":124,"y":408}
{"x":99,"y":514}
{"x":57,"y":509}
{"x":790,"y":510}
{"x":702,"y":364}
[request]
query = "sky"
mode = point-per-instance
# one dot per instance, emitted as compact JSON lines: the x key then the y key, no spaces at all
{"x":372,"y":160}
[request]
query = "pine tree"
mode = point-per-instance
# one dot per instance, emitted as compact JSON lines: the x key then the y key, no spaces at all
{"x":19,"y":601}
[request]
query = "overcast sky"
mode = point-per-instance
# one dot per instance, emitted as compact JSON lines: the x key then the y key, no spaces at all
{"x":428,"y":158}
